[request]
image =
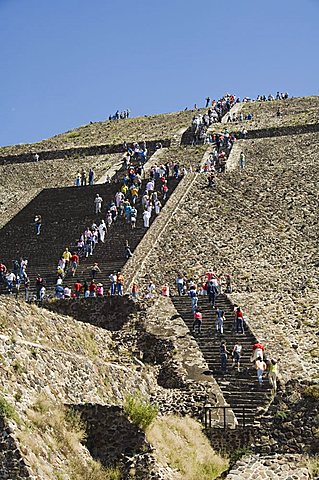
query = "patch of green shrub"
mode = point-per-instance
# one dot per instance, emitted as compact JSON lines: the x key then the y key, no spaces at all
{"x":18,"y":368}
{"x":6,"y":409}
{"x":73,"y":134}
{"x":238,"y":453}
{"x":140,"y":411}
{"x":281,"y":414}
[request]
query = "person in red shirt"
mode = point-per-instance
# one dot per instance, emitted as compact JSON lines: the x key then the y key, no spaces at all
{"x":75,"y":259}
{"x":92,"y":289}
{"x":3,"y":271}
{"x":165,"y":190}
{"x":134,"y":290}
{"x":210,"y":274}
{"x":239,"y":320}
{"x":258,"y":351}
{"x":198,"y":318}
{"x":77,"y":288}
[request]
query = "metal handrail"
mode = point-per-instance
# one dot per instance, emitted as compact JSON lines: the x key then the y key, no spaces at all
{"x":208,"y":415}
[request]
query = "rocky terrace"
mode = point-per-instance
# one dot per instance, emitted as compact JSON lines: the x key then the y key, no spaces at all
{"x":260,"y":226}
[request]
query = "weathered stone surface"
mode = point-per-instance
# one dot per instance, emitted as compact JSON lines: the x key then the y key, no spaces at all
{"x":294,"y":112}
{"x":20,"y":183}
{"x":261,"y":231}
{"x":274,"y":467}
{"x":109,"y":134}
{"x":12,"y":464}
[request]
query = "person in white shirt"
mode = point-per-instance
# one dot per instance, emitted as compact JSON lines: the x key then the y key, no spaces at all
{"x":98,"y":203}
{"x":150,"y":187}
{"x":146,"y":219}
{"x":10,"y":278}
{"x":236,"y":354}
{"x":102,"y":231}
{"x":260,"y":368}
{"x":67,"y":292}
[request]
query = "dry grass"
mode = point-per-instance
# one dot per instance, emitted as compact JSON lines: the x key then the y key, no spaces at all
{"x":181,"y":444}
{"x":153,"y":127}
{"x":313,"y":466}
{"x":297,"y":111}
{"x":51,"y":440}
{"x":37,"y":325}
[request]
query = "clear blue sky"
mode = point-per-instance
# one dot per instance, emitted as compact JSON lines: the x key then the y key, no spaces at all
{"x":67,"y":62}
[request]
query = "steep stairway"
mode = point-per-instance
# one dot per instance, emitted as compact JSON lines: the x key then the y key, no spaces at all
{"x":240,"y":389}
{"x":66,"y":212}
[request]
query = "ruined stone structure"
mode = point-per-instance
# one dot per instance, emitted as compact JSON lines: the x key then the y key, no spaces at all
{"x":259,"y":225}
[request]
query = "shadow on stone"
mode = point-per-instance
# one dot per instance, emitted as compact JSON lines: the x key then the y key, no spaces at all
{"x":110,"y":313}
{"x":111,"y":437}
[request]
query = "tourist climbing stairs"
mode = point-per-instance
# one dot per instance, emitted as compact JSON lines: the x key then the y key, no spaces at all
{"x":66,"y":213}
{"x":240,"y":389}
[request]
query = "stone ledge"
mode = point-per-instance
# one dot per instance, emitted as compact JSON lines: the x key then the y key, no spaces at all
{"x":85,"y":150}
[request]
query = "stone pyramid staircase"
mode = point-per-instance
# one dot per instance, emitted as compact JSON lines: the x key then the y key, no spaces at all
{"x":66,"y":212}
{"x":240,"y":389}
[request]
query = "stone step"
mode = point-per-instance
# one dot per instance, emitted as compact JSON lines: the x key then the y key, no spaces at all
{"x":66,"y":212}
{"x":238,"y":388}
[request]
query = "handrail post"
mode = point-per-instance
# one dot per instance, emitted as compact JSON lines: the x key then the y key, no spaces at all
{"x":244,"y":422}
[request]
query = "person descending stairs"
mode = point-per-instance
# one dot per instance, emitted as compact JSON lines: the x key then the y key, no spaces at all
{"x":235,"y":373}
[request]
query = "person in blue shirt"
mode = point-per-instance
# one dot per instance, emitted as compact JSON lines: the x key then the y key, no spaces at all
{"x":59,"y":291}
{"x":91,"y":177}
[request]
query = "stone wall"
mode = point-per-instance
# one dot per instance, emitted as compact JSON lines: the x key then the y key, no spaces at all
{"x":111,"y":437}
{"x":110,"y":313}
{"x":228,"y":440}
{"x":31,"y":369}
{"x":75,"y":151}
{"x":12,"y":464}
{"x":292,"y":421}
{"x":97,"y":374}
{"x":282,"y":131}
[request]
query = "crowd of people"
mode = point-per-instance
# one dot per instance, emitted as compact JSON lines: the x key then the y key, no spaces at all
{"x":239,"y":117}
{"x":211,"y":285}
{"x":13,"y":278}
{"x":121,"y":210}
{"x":83,"y":179}
{"x":216,"y":161}
{"x":217,"y":109}
{"x":120,"y":115}
{"x":270,"y":97}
